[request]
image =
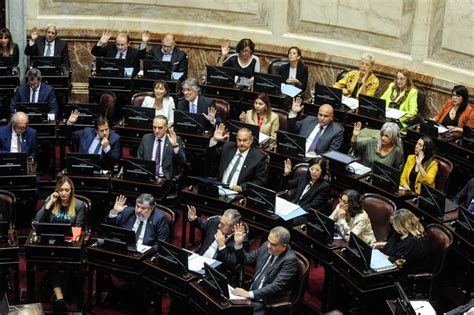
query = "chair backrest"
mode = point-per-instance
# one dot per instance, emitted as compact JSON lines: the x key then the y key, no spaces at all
{"x":137,"y":98}
{"x":301,"y":283}
{"x":379,"y":209}
{"x":223,"y":108}
{"x":7,"y":206}
{"x":298,"y":170}
{"x":170,"y":217}
{"x":107,"y":102}
{"x":421,"y":100}
{"x":282,"y":118}
{"x":440,"y":240}
{"x":274,"y":66}
{"x":341,"y":74}
{"x":87,"y":209}
{"x":445,"y":167}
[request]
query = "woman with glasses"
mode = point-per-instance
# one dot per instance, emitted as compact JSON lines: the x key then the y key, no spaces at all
{"x":361,"y":81}
{"x":243,"y":60}
{"x":161,"y":101}
{"x":352,"y":218}
{"x":456,"y":112}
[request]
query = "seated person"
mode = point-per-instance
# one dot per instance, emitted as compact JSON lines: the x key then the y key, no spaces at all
{"x":456,"y":112}
{"x":61,"y":207}
{"x":48,"y":45}
{"x":406,"y":244}
{"x":240,"y":162}
{"x":310,"y":190}
{"x":167,"y":51}
{"x":98,"y":140}
{"x":276,"y":268}
{"x":164,"y":144}
{"x":322,"y":134}
{"x":295,"y":72}
{"x":161,"y":101}
{"x":17,"y":136}
{"x":420,"y":167}
{"x":199,"y":104}
{"x":120,"y":50}
{"x":145,"y":219}
{"x":34,"y":91}
{"x":387,"y":149}
{"x":243,"y":60}
{"x":352,"y":218}
{"x":401,"y":94}
{"x":9,"y":47}
{"x":465,"y":197}
{"x":361,"y":81}
{"x":261,"y":114}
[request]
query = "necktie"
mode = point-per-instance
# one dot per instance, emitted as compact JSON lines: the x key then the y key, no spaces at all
{"x":158,"y":157}
{"x":48,"y":50}
{"x":261,"y":275}
{"x":312,"y":147}
{"x":234,"y":168}
{"x":193,"y":108}
{"x":97,"y":148}
{"x":139,"y":230}
{"x":18,"y":143}
{"x":120,"y":56}
{"x":33,"y":96}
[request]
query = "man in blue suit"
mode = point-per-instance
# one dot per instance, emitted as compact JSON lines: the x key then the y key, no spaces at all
{"x":145,"y":219}
{"x":97,"y":140}
{"x":34,"y":91}
{"x":17,"y":137}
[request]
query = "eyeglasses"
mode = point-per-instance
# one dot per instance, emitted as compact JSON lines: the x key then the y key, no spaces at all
{"x":454,"y":96}
{"x":315,"y":170}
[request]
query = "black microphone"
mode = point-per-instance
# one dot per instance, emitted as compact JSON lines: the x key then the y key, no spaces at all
{"x":176,"y":260}
{"x":87,"y":163}
{"x":189,"y":116}
{"x":268,"y":82}
{"x":373,"y":105}
{"x":261,"y":196}
{"x":139,"y":113}
{"x":286,"y":134}
{"x":141,"y":168}
{"x":327,"y":88}
{"x":221,"y":72}
{"x":161,"y":62}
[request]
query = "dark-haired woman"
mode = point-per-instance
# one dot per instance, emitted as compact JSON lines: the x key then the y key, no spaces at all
{"x":261,"y":115}
{"x":243,"y":60}
{"x":295,"y":72}
{"x":161,"y":101}
{"x":456,"y":112}
{"x":9,"y":48}
{"x":352,"y":217}
{"x":420,"y":167}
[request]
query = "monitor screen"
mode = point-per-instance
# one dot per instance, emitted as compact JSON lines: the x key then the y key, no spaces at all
{"x":261,"y":198}
{"x":216,"y":283}
{"x":235,"y":125}
{"x":118,"y":238}
{"x":291,"y":144}
{"x":13,"y":163}
{"x":267,"y":83}
{"x":338,"y":160}
{"x":138,"y":170}
{"x":468,"y":137}
{"x":6,"y":64}
{"x":434,"y":201}
{"x":47,"y":65}
{"x":37,"y":112}
{"x":83,"y":164}
{"x":52,"y":233}
{"x":321,"y":227}
{"x":88,"y":112}
{"x":429,"y":129}
{"x":360,"y":252}
{"x":372,"y":106}
{"x":156,"y":69}
{"x":138,"y":117}
{"x":324,"y":94}
{"x":110,"y":67}
{"x":172,"y":257}
{"x":386,"y":177}
{"x":465,"y":224}
{"x":220,"y":76}
{"x":190,"y":122}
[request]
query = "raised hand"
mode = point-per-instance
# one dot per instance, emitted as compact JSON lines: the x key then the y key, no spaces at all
{"x":220,"y":133}
{"x":357,"y":129}
{"x":225,"y":48}
{"x":297,"y":105}
{"x":243,"y":117}
{"x":34,"y":34}
{"x":239,"y":234}
{"x":104,"y":39}
{"x":145,"y":36}
{"x":211,"y":114}
{"x":287,"y":167}
{"x":74,"y":116}
{"x":120,"y":204}
{"x":191,"y":213}
{"x":172,"y":137}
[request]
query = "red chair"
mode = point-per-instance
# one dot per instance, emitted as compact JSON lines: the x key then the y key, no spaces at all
{"x":137,"y":98}
{"x":379,"y":210}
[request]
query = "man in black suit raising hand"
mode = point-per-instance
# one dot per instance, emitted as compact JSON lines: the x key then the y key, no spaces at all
{"x":48,"y":45}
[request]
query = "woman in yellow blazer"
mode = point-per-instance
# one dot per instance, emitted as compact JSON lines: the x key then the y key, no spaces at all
{"x":361,"y":81}
{"x":261,"y":115}
{"x":420,"y":167}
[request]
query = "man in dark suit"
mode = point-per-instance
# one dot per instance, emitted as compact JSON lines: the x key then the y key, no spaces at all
{"x":167,"y":51}
{"x":34,"y":91}
{"x":120,"y":50}
{"x":98,"y":140}
{"x":240,"y":163}
{"x":164,"y":144}
{"x":17,"y":132}
{"x":48,"y":45}
{"x":322,"y":134}
{"x":276,"y":267}
{"x":145,"y":219}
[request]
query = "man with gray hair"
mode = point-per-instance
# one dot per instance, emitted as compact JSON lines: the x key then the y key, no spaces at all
{"x":17,"y":137}
{"x":145,"y":219}
{"x":48,"y":45}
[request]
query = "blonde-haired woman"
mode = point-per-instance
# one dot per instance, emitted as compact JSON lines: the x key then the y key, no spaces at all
{"x":361,"y":81}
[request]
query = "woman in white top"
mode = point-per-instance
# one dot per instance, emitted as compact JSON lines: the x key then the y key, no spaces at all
{"x":161,"y":101}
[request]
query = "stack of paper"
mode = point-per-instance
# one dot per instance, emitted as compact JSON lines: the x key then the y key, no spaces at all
{"x":287,"y":210}
{"x":350,"y":102}
{"x":358,"y":168}
{"x":196,"y":263}
{"x":380,"y":262}
{"x":394,"y":113}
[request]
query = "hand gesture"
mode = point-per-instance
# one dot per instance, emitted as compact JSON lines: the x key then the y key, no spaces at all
{"x":225,"y":48}
{"x":104,"y":39}
{"x":104,"y":142}
{"x":74,"y":116}
{"x":345,"y":91}
{"x":341,"y":214}
{"x":357,"y":129}
{"x":220,"y":134}
{"x":211,"y":114}
{"x":365,"y":75}
{"x":191,"y":213}
{"x":239,"y":234}
{"x":419,"y":157}
{"x":243,"y":117}
{"x":34,"y":34}
{"x":241,"y":292}
{"x":172,"y":137}
{"x":54,"y":196}
{"x":287,"y":167}
{"x":297,"y":107}
{"x":220,"y":238}
{"x":145,"y":36}
{"x":120,"y":204}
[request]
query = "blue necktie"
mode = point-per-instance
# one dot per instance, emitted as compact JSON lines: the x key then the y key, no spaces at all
{"x":97,"y":148}
{"x":312,"y":147}
{"x":193,"y":108}
{"x":48,"y":50}
{"x":33,"y":96}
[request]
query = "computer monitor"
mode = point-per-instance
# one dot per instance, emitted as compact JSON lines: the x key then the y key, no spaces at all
{"x":359,"y":252}
{"x":47,"y":65}
{"x":291,"y":144}
{"x":429,"y":129}
{"x":173,"y":258}
{"x":110,"y":67}
{"x":338,"y":160}
{"x":215,"y":282}
{"x":468,"y":137}
{"x":138,"y":170}
{"x":386,"y":177}
{"x":4,"y":227}
{"x":88,"y":112}
{"x":83,"y":164}
{"x":52,"y":233}
{"x":190,"y":122}
{"x":138,"y":117}
{"x":118,"y":238}
{"x":320,"y":227}
{"x":324,"y":94}
{"x":465,"y":224}
{"x":372,"y":106}
{"x":37,"y":112}
{"x":220,"y":76}
{"x":403,"y":305}
{"x":267,"y":83}
{"x":156,"y":69}
{"x":261,"y":198}
{"x":234,"y":126}
{"x":207,"y":186}
{"x":434,"y":201}
{"x":13,"y":163}
{"x":6,"y":65}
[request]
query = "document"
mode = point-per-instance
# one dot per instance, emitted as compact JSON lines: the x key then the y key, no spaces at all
{"x":423,"y":307}
{"x":290,"y":90}
{"x":262,"y":137}
{"x":358,"y":169}
{"x":196,"y":263}
{"x":350,"y":102}
{"x":142,"y":248}
{"x":287,"y":210}
{"x":232,"y":296}
{"x":176,"y":75}
{"x":226,"y":192}
{"x":442,"y":129}
{"x":394,"y":113}
{"x":380,"y":262}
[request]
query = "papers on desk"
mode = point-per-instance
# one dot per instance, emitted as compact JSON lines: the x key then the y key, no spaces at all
{"x":311,"y":154}
{"x":142,"y":248}
{"x":380,"y":262}
{"x":394,"y":113}
{"x":262,"y":137}
{"x":196,"y":263}
{"x":441,"y":129}
{"x":423,"y":307}
{"x":176,"y":75}
{"x":226,"y":192}
{"x":232,"y":296}
{"x":287,"y":210}
{"x":290,"y":90}
{"x":350,"y":102}
{"x":358,"y":169}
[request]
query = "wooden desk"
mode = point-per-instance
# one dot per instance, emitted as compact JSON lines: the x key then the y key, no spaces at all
{"x":130,"y":188}
{"x":62,"y":87}
{"x":398,"y":198}
{"x":9,"y":258}
{"x":429,"y":217}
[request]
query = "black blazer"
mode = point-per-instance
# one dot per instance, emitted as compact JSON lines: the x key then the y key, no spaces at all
{"x":15,"y":55}
{"x":301,"y":74}
{"x":179,"y":59}
{"x":132,"y":59}
{"x":316,"y":196}
{"x":60,"y":49}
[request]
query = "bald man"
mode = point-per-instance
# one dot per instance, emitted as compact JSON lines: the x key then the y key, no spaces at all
{"x":167,"y":51}
{"x":322,"y":133}
{"x":119,"y":50}
{"x":17,"y":137}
